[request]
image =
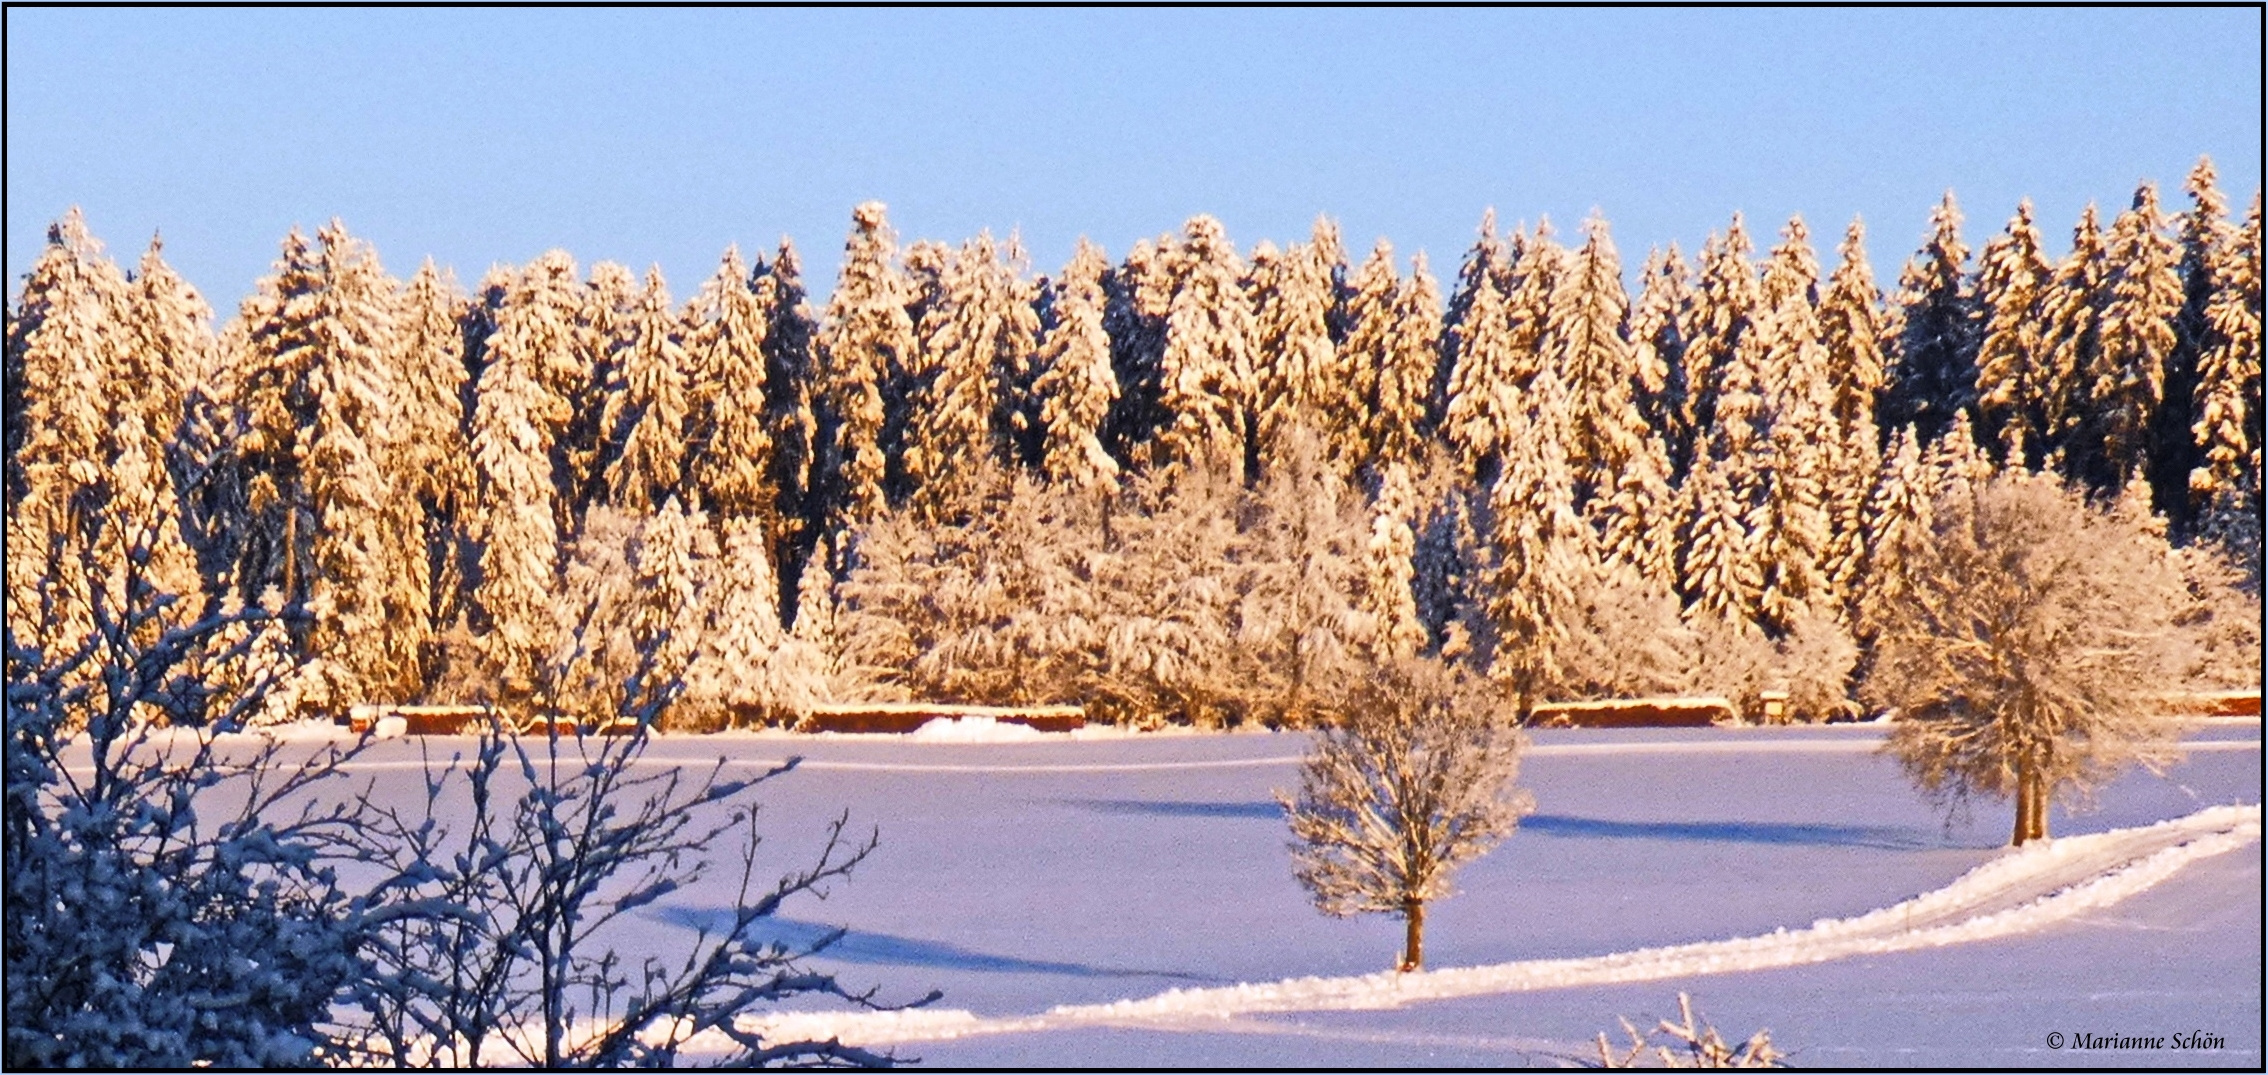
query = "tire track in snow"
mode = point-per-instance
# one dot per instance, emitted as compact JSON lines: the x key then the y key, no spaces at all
{"x":2019,"y":892}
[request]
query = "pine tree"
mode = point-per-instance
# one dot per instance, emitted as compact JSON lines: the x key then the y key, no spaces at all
{"x":977,"y":342}
{"x":1351,"y":384}
{"x":1658,"y":338}
{"x":431,"y":458}
{"x":2228,"y":423}
{"x":1932,"y":373}
{"x":2074,"y":314}
{"x":523,"y":408}
{"x":648,"y":419}
{"x":1294,"y":297}
{"x":1396,"y":432}
{"x":1636,"y":520}
{"x":2013,"y":375}
{"x":1539,"y":264}
{"x":1135,"y":296}
{"x":601,"y":333}
{"x":1387,"y":597}
{"x":1716,"y":574}
{"x":1717,"y":319}
{"x":1789,"y":524}
{"x":866,"y":340}
{"x":791,"y":382}
{"x":1541,"y":548}
{"x":1482,"y":390}
{"x":1601,"y":368}
{"x":169,"y":343}
{"x":2205,"y":233}
{"x":59,"y":346}
{"x":1850,"y":327}
{"x":1077,"y":386}
{"x":2127,"y":380}
{"x":1899,"y":519}
{"x":729,"y":453}
{"x":1206,"y":371}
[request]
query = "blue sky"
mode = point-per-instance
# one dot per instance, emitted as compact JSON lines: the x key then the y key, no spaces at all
{"x":645,"y":136}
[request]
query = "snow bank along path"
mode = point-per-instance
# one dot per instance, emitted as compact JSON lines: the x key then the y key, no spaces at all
{"x":2020,"y":891}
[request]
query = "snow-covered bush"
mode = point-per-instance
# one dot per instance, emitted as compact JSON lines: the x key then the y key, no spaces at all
{"x":1690,"y":1043}
{"x":1410,"y":777}
{"x":166,"y":902}
{"x":1187,"y":597}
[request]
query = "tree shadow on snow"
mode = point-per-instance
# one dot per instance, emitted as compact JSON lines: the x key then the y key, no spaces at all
{"x":881,"y":948}
{"x":1882,"y":837}
{"x":1265,"y":810}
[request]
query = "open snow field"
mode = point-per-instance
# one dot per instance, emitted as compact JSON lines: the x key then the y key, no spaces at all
{"x":1039,"y":882}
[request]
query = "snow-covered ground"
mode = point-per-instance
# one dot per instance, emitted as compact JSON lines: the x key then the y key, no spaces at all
{"x":1126,"y":900}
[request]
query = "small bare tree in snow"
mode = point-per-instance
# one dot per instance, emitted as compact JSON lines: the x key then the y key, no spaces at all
{"x":1410,"y":778}
{"x":2030,"y":652}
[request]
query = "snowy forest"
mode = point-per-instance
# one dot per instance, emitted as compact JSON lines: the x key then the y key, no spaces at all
{"x":1192,"y":485}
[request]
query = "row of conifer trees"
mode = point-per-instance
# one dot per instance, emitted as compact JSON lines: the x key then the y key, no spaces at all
{"x":450,"y":488}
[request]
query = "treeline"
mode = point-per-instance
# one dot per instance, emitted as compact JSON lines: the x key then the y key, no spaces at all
{"x":1190,"y":485}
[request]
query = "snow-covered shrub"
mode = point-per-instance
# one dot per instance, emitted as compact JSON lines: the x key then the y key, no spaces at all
{"x":2033,"y":651}
{"x":1690,"y":1043}
{"x":1631,"y":642}
{"x":2223,"y":620}
{"x":1812,"y":664}
{"x":1187,"y":598}
{"x":1410,"y":777}
{"x":166,"y":905}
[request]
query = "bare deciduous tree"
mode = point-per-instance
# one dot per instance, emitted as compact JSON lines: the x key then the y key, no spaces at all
{"x":1410,"y":777}
{"x":2031,"y":649}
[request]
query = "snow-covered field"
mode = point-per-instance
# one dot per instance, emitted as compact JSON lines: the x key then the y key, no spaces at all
{"x":1125,"y":900}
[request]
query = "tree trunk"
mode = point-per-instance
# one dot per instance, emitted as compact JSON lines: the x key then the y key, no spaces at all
{"x":2039,"y":806}
{"x":2023,"y":804}
{"x":1413,"y":943}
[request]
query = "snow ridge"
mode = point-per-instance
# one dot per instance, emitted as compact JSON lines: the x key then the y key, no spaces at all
{"x":2021,"y":891}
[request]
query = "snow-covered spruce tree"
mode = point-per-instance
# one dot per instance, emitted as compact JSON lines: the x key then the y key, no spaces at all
{"x":2029,"y":653}
{"x":1718,"y":316}
{"x":1541,"y":550}
{"x":1539,"y":266}
{"x":1898,"y":518}
{"x":1299,"y":375}
{"x":1409,"y":778}
{"x":1134,"y":307}
{"x":1789,"y":522}
{"x":1351,"y":381}
{"x":1850,"y":329}
{"x":2013,"y":376}
{"x":1076,"y":386}
{"x":1398,"y":430}
{"x":523,"y":409}
{"x":648,"y":419}
{"x":2074,"y":315}
{"x":1206,"y":371}
{"x":2204,"y":235}
{"x":865,"y":342}
{"x":1657,"y":339}
{"x":1932,"y":371}
{"x":791,"y":382}
{"x":327,"y":526}
{"x":729,"y":451}
{"x":1482,"y":393}
{"x":2142,"y":297}
{"x":749,"y":669}
{"x":167,"y":907}
{"x":1716,"y":573}
{"x":1387,"y":598}
{"x":62,"y":339}
{"x":1299,"y":569}
{"x":977,"y":346}
{"x":430,"y":457}
{"x":602,"y":328}
{"x":1603,"y":375}
{"x":2228,"y":426}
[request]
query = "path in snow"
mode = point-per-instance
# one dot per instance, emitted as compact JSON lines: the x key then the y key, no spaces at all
{"x":2018,"y":892}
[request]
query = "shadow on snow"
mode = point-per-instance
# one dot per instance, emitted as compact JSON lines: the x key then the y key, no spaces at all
{"x":1883,"y":837}
{"x":859,"y":946}
{"x":1263,"y":810}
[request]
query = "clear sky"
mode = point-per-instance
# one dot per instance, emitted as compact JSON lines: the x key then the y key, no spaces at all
{"x":660,"y":136}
